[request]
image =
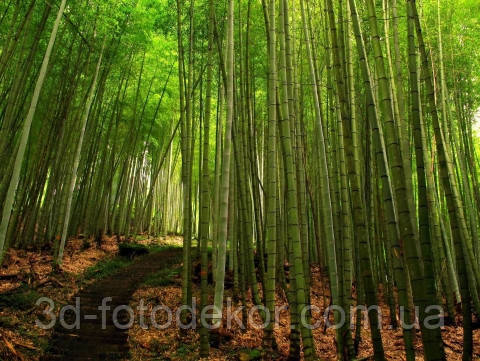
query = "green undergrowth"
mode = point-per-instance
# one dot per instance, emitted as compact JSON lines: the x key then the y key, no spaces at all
{"x":164,"y":277}
{"x":23,"y":298}
{"x":127,"y":253}
{"x":106,"y":267}
{"x":163,"y":247}
{"x":185,"y":349}
{"x":250,"y":354}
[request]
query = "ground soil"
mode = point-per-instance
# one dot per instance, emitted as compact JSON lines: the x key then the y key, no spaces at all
{"x":237,"y":344}
{"x":21,"y":340}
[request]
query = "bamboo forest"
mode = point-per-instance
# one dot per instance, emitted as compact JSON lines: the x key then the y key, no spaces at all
{"x":240,"y":180}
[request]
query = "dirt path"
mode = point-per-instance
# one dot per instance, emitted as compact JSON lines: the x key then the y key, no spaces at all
{"x":91,"y":341}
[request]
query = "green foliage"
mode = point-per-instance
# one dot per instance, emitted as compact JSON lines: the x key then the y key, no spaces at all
{"x":460,"y":24}
{"x":23,"y":298}
{"x":250,"y":354}
{"x":165,"y":277}
{"x":185,"y":349}
{"x":154,"y":248}
{"x":106,"y":268}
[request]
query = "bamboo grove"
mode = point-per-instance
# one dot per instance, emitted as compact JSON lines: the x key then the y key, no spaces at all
{"x":274,"y":135}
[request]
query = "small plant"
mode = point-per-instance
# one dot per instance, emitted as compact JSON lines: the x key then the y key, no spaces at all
{"x":106,"y":268}
{"x":23,"y":298}
{"x":184,"y":349}
{"x":154,"y":248}
{"x":162,"y":278}
{"x":158,"y":347}
{"x":250,"y":355}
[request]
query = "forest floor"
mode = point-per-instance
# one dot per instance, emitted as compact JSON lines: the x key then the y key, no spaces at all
{"x":26,"y":276}
{"x":174,"y":344}
{"x":91,"y":272}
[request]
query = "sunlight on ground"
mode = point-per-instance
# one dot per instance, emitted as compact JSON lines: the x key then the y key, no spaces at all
{"x":169,"y":240}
